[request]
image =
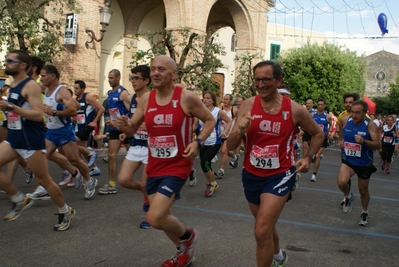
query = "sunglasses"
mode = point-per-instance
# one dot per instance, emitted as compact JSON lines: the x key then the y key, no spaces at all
{"x":10,"y":61}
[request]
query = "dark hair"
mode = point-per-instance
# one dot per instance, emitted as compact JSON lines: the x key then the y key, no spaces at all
{"x":51,"y":69}
{"x":231,"y":96}
{"x":144,"y":70}
{"x":116,"y":72}
{"x":321,"y":99}
{"x":277,"y":70}
{"x":354,"y":95}
{"x":213,"y":96}
{"x":363,"y":103}
{"x":38,"y":63}
{"x":284,"y":86}
{"x":23,"y":57}
{"x":70,"y":91}
{"x":81,"y":83}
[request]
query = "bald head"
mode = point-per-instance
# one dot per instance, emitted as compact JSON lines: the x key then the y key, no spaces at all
{"x":163,"y":71}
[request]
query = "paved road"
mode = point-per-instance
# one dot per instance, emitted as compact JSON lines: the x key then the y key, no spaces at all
{"x":313,"y":229}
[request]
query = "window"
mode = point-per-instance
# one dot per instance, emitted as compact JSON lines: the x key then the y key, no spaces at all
{"x":233,"y":42}
{"x":274,"y":51}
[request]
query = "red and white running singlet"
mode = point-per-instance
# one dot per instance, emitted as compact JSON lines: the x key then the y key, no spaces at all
{"x":169,"y":133}
{"x":270,"y":140}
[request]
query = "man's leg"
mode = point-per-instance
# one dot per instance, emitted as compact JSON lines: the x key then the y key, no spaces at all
{"x":363,"y":185}
{"x":316,"y":164}
{"x":344,"y":174}
{"x":113,"y":149}
{"x":126,"y":172}
{"x":266,"y":216}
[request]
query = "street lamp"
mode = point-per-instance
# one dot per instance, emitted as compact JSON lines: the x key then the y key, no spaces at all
{"x":105,"y":17}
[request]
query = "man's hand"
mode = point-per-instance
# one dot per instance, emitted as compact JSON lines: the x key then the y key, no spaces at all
{"x":303,"y":164}
{"x":245,"y":123}
{"x":191,"y":151}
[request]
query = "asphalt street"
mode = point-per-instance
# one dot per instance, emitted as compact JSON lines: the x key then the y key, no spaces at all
{"x":313,"y":229}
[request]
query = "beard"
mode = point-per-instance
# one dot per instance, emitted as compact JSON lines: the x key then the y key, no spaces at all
{"x":10,"y":72}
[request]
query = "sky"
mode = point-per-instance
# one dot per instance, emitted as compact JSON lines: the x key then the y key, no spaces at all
{"x":352,"y":23}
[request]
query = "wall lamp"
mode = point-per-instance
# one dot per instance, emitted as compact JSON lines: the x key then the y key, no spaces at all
{"x":105,"y":17}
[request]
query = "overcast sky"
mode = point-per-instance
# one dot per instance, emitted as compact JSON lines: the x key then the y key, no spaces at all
{"x":348,"y":22}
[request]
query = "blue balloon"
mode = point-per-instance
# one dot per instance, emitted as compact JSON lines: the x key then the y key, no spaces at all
{"x":383,"y":22}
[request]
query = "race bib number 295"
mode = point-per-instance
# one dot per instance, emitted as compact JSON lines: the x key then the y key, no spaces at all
{"x":163,"y":146}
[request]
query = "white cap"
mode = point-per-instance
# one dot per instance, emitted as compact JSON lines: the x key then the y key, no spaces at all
{"x":284,"y":91}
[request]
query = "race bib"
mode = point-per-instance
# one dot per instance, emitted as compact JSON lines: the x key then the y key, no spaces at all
{"x":352,"y":149}
{"x":265,"y":158}
{"x":388,"y":139}
{"x":14,"y":121}
{"x":80,"y":119}
{"x":163,"y":146}
{"x":114,"y":113}
{"x":141,"y":135}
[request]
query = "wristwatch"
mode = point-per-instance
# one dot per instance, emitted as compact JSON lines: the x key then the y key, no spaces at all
{"x":200,"y":142}
{"x":364,"y":142}
{"x":54,"y":112}
{"x":312,"y":157}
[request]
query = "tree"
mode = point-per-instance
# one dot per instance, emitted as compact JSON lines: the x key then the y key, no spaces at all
{"x":384,"y":105}
{"x":323,"y":71}
{"x":243,"y":84}
{"x":195,"y":55}
{"x":393,"y":95}
{"x":24,"y":26}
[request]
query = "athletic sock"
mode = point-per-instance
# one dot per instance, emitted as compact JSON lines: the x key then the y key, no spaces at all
{"x":112,"y":183}
{"x":18,"y":197}
{"x":279,"y":256}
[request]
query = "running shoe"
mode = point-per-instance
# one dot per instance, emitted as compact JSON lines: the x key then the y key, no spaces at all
{"x":387,"y":171}
{"x":95,"y":171}
{"x":78,"y":179}
{"x":275,"y":264}
{"x":210,"y":188}
{"x":146,"y":207}
{"x":64,"y":220}
{"x":92,"y":158}
{"x":313,"y":179}
{"x":219,"y":174}
{"x":383,"y":166}
{"x":66,"y":178}
{"x":172,"y":262}
{"x":186,"y":252}
{"x":90,"y":187}
{"x":18,"y":208}
{"x":215,"y":159}
{"x":364,"y":219}
{"x":234,"y":163}
{"x":28,"y":176}
{"x":347,"y":207}
{"x":145,"y":224}
{"x":40,"y":193}
{"x":342,"y":202}
{"x":107,"y":189}
{"x":282,"y":262}
{"x":105,"y":159}
{"x":193,"y":178}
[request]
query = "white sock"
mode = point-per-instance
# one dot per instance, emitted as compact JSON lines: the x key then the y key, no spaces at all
{"x":279,"y":256}
{"x":18,"y":197}
{"x":64,"y":209}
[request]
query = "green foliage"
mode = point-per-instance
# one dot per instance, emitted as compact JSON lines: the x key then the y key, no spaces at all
{"x":243,"y":84}
{"x":384,"y":106}
{"x":393,"y":94}
{"x":24,"y":26}
{"x":323,"y":71}
{"x":195,"y":55}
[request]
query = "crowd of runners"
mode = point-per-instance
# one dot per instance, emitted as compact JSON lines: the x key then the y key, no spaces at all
{"x":166,"y":129}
